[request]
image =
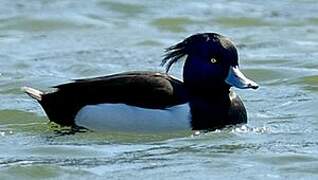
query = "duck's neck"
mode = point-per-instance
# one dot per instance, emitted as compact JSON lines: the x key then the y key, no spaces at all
{"x":208,"y":98}
{"x":209,"y":110}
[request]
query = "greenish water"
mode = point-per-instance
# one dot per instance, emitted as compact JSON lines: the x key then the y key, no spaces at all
{"x":44,"y":43}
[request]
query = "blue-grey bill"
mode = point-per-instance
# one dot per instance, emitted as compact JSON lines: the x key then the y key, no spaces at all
{"x":237,"y":79}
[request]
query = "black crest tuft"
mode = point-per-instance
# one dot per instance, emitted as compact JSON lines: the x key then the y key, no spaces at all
{"x":174,"y":53}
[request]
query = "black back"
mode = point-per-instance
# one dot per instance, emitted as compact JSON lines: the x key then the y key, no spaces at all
{"x":142,"y":89}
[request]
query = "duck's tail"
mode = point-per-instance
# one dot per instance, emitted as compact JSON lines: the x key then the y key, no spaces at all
{"x":36,"y":94}
{"x":58,"y":109}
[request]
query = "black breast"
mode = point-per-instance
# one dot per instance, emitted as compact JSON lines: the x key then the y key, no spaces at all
{"x":217,"y":111}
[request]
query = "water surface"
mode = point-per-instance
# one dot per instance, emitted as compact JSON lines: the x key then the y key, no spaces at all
{"x":44,"y":43}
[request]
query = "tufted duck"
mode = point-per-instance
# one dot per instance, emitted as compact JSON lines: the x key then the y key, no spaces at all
{"x":152,"y":101}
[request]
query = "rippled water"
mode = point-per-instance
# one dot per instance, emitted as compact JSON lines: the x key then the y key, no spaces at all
{"x":44,"y":43}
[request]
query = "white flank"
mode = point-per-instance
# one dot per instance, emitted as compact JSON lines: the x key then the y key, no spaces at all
{"x":122,"y":117}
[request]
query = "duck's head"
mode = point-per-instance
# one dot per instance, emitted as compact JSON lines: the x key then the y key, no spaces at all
{"x":211,"y":63}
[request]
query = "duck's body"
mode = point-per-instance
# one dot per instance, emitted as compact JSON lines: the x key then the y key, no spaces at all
{"x":150,"y":101}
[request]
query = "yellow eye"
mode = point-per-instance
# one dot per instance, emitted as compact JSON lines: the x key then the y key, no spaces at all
{"x":213,"y":60}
